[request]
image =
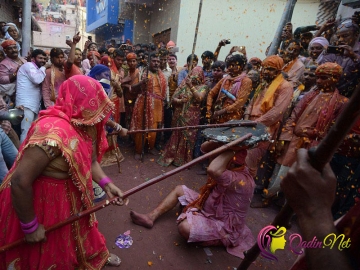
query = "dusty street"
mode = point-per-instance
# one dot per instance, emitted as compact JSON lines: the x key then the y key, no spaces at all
{"x":162,"y":247}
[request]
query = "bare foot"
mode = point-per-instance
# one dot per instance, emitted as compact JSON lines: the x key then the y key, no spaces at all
{"x":141,"y":219}
{"x":137,"y":157}
{"x":154,"y":152}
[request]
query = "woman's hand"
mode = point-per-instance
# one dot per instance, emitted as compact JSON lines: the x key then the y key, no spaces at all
{"x":112,"y":191}
{"x":37,"y":236}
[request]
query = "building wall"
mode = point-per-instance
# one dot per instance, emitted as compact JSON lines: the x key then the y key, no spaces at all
{"x":252,"y":24}
{"x":142,"y":17}
{"x":165,"y":15}
{"x":6,"y":11}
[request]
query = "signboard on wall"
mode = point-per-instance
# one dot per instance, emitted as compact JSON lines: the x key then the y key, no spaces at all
{"x":100,"y":12}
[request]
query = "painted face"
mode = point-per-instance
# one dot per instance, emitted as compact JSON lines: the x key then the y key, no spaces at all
{"x":13,"y":33}
{"x":309,"y":78}
{"x":154,"y":64}
{"x":325,"y":82}
{"x":291,"y":52}
{"x":78,"y":56}
{"x":315,"y":50}
{"x":345,"y":36}
{"x":93,"y":47}
{"x":269,"y":73}
{"x":12,"y":51}
{"x":118,"y":60}
{"x":172,"y":61}
{"x":234,"y":69}
{"x":132,"y":63}
{"x":40,"y":60}
{"x":57,"y":61}
{"x":217,"y":74}
{"x":163,"y":61}
{"x":206,"y":61}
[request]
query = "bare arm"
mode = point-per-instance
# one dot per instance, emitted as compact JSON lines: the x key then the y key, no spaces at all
{"x":311,"y":194}
{"x":219,"y":164}
{"x":111,"y":189}
{"x":72,"y":44}
{"x":218,"y":48}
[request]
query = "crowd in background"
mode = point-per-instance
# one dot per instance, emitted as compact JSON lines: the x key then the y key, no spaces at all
{"x":297,"y":94}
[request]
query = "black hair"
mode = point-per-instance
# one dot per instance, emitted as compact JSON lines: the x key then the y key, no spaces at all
{"x":78,"y":49}
{"x":55,"y":52}
{"x":139,"y":44}
{"x":154,"y":55}
{"x":91,"y":43}
{"x":145,"y":46}
{"x":307,"y":34}
{"x":238,"y":58}
{"x":173,"y":55}
{"x":218,"y":64}
{"x":102,"y":50}
{"x":296,"y":41}
{"x":153,"y":47}
{"x":140,"y":51}
{"x":207,"y":54}
{"x":194,"y":59}
{"x":163,"y":52}
{"x":118,"y":52}
{"x":248,"y":66}
{"x":37,"y":52}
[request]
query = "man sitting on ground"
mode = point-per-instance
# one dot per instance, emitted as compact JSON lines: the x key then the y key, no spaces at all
{"x":216,"y":216}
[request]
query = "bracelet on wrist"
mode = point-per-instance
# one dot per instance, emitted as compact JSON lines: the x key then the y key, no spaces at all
{"x":104,"y":181}
{"x":30,"y":227}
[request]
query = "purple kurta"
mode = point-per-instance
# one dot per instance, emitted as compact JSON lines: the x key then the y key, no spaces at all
{"x":224,"y":212}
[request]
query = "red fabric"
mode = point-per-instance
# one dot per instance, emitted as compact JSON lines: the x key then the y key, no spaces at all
{"x":8,"y":43}
{"x":81,"y":104}
{"x":52,"y":203}
{"x":109,"y":62}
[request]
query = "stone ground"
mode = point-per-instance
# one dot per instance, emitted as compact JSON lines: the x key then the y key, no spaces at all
{"x":162,"y":247}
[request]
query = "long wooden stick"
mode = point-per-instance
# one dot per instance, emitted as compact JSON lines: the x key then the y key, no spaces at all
{"x":243,"y":124}
{"x":134,"y":190}
{"x":319,"y":157}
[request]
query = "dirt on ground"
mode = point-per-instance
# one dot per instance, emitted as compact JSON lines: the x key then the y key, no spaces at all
{"x":162,"y":247}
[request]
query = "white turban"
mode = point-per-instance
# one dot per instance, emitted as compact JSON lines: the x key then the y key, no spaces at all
{"x":320,"y":40}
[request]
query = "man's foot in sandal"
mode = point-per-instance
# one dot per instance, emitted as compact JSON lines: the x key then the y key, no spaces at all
{"x":113,"y":260}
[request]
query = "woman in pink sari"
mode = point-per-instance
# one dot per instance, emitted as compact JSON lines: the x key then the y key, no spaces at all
{"x":187,"y":101}
{"x":52,"y":180}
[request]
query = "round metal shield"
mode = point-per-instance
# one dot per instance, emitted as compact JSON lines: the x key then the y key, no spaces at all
{"x":229,"y":134}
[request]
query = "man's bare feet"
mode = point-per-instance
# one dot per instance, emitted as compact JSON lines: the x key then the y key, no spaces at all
{"x":141,"y":219}
{"x":137,"y":157}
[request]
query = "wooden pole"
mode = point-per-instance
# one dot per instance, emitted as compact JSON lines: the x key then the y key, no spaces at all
{"x":286,"y":17}
{"x":229,"y":125}
{"x":319,"y":157}
{"x":144,"y":114}
{"x":126,"y":194}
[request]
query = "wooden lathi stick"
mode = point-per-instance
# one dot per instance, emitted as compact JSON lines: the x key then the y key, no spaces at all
{"x":243,"y":124}
{"x":126,"y":194}
{"x":319,"y":157}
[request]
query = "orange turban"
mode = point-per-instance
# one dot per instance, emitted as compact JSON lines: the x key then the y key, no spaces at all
{"x":255,"y":60}
{"x":170,"y":44}
{"x":95,"y":53}
{"x":131,"y":56}
{"x":273,"y":61}
{"x":329,"y":68}
{"x":8,"y":43}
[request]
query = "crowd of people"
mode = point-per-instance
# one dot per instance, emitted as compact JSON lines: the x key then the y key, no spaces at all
{"x":77,"y":103}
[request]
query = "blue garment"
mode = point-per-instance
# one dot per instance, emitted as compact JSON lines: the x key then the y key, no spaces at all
{"x":8,"y":153}
{"x":182,"y":75}
{"x":97,"y":70}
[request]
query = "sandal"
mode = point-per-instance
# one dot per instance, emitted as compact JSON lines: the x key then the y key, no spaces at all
{"x":113,"y":260}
